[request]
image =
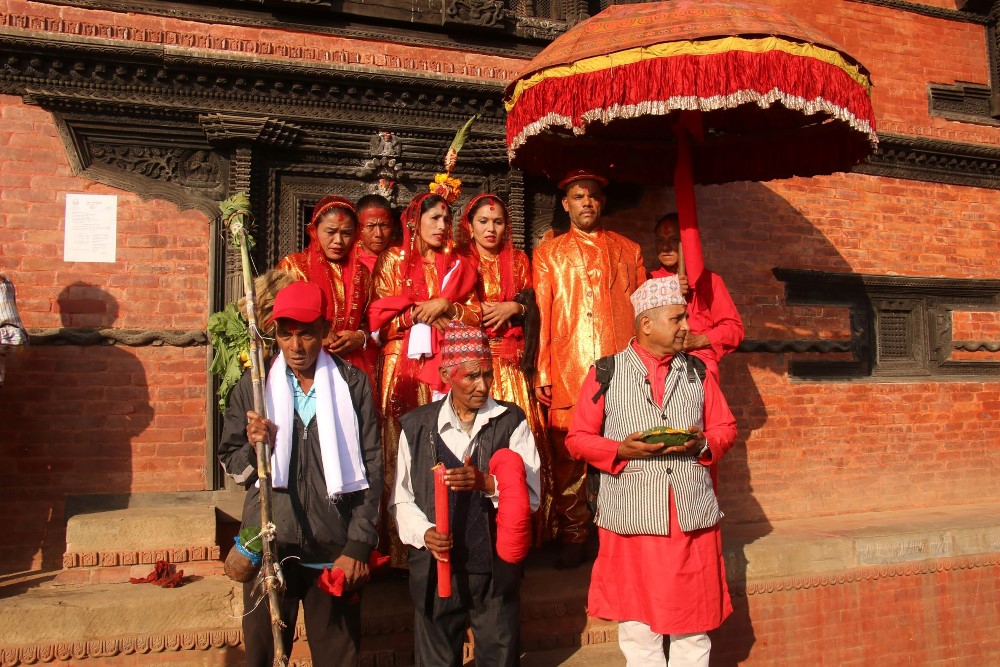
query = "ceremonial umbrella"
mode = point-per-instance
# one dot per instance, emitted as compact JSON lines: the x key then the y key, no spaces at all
{"x":690,"y":91}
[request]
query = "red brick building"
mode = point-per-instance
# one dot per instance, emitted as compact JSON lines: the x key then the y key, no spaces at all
{"x":869,"y":381}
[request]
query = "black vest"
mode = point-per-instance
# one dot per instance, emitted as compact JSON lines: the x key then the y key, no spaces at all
{"x":471,"y":513}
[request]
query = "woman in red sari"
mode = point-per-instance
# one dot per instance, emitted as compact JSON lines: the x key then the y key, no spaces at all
{"x":419,"y":287}
{"x":505,"y":275}
{"x":328,"y":262}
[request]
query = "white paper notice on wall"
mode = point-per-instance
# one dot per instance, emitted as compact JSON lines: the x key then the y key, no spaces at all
{"x":91,"y":228}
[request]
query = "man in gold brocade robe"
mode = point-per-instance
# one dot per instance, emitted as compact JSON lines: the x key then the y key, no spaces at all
{"x":583,"y":281}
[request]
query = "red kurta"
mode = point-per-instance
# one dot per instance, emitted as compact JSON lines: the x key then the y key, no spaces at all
{"x":676,"y":584}
{"x":365,"y":257}
{"x":711,"y":312}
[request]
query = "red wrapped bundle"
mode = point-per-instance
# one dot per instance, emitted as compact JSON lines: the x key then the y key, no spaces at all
{"x":443,"y":526}
{"x":514,"y":510}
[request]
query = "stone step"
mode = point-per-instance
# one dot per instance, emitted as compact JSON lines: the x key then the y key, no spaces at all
{"x":112,"y":537}
{"x":122,"y":574}
{"x":53,"y":621}
{"x":822,"y":545}
{"x":55,"y":613}
{"x":596,"y":655}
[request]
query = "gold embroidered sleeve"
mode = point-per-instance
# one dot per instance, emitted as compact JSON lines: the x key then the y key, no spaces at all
{"x":292,"y":268}
{"x":386,"y":282}
{"x":364,"y":296}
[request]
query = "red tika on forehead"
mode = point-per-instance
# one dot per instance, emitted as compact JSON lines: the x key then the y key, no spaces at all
{"x":370,"y":214}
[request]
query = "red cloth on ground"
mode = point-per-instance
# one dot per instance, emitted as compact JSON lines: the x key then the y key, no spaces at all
{"x":331,"y":581}
{"x":675,"y":584}
{"x":514,"y":508}
{"x":161,"y":576}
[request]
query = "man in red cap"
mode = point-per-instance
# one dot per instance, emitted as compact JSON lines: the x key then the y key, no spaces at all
{"x":326,"y":467}
{"x":583,"y":280}
{"x":463,"y":431}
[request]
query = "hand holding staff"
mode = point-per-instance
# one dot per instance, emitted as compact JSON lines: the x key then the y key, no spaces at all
{"x":235,"y":215}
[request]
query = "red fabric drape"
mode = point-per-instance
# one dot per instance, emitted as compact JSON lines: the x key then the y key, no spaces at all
{"x":318,"y":269}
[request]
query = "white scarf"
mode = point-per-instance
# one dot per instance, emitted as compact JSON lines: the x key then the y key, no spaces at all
{"x":339,"y":440}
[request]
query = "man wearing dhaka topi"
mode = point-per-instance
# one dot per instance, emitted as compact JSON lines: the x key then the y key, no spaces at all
{"x":492,"y":479}
{"x":659,"y":571}
{"x":583,"y":280}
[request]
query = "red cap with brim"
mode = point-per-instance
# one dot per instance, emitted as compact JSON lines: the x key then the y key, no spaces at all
{"x":300,"y":301}
{"x":582,"y":175}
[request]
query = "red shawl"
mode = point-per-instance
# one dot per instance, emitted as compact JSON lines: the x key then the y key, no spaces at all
{"x":317,"y":268}
{"x":415,"y":290}
{"x":505,"y":259}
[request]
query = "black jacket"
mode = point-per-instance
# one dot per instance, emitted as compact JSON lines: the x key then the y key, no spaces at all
{"x":308,"y":524}
{"x":420,"y":427}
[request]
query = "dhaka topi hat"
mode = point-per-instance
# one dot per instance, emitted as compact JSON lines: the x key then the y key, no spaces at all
{"x":464,"y":343}
{"x":301,"y":301}
{"x":657,"y":292}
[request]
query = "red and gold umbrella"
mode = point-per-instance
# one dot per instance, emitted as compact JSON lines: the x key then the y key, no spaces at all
{"x":690,"y":91}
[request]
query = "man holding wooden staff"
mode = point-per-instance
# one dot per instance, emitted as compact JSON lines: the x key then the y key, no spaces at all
{"x":327,"y":481}
{"x":470,"y":433}
{"x":716,"y":326}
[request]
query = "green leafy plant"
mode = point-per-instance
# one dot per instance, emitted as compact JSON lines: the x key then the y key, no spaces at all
{"x":230,"y":336}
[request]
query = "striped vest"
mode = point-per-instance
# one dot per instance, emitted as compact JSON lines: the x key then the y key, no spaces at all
{"x":636,"y":501}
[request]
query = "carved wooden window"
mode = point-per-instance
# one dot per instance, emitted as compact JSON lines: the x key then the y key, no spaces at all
{"x":901,"y":327}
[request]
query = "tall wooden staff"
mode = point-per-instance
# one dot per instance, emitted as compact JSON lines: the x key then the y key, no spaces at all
{"x":236,"y":215}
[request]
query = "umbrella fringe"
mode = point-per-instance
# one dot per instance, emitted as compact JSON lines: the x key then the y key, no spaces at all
{"x":797,"y":83}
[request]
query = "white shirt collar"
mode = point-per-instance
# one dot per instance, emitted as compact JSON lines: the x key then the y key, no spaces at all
{"x":448,"y":419}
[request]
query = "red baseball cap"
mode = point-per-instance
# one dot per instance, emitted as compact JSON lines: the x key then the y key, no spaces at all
{"x":301,"y":301}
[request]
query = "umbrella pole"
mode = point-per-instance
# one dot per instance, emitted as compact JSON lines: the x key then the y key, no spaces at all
{"x":687,"y":213}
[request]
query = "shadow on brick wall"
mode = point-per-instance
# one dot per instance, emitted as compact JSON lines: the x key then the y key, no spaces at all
{"x":72,"y":413}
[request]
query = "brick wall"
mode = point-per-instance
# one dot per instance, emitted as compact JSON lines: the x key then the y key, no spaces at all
{"x":825,"y":448}
{"x":936,"y":613}
{"x":93,"y":419}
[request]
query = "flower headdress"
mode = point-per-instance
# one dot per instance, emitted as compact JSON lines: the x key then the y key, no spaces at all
{"x":445,"y":184}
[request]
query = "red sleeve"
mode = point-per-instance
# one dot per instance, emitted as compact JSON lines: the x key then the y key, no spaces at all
{"x":584,"y":440}
{"x":727,"y":326}
{"x":720,"y":425}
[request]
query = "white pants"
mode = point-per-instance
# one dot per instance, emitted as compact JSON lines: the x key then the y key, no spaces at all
{"x":644,"y":648}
